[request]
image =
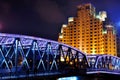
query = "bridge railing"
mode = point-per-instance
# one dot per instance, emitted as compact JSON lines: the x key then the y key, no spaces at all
{"x":106,"y":63}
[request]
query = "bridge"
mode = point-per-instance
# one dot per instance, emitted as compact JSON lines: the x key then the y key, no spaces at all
{"x":103,"y":64}
{"x":26,"y":56}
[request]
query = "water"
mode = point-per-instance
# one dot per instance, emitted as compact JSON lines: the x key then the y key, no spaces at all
{"x":78,"y":78}
{"x":89,"y":78}
{"x":70,"y":78}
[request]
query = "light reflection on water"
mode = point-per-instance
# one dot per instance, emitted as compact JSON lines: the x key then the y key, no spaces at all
{"x":69,"y":78}
{"x":80,"y":78}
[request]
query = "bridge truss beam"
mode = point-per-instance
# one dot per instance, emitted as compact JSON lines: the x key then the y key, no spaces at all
{"x":24,"y":54}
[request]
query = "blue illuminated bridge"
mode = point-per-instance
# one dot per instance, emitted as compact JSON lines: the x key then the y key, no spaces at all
{"x":25,"y":56}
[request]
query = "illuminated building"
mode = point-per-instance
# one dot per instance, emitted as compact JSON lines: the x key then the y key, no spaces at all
{"x":110,"y":46}
{"x":88,"y":33}
{"x":118,"y":45}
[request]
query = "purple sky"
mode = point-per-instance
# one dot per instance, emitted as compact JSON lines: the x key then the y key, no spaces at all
{"x":43,"y":18}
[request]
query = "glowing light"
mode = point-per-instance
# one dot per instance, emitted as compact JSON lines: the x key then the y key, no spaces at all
{"x":93,"y":51}
{"x":93,"y":60}
{"x":62,"y":30}
{"x":62,"y":59}
{"x":80,"y":60}
{"x":20,"y":62}
{"x":102,"y":15}
{"x":76,"y":60}
{"x":60,"y":35}
{"x":67,"y":59}
{"x":70,"y":19}
{"x":105,"y":32}
{"x":68,"y":78}
{"x":98,"y":16}
{"x":64,"y":25}
{"x":71,"y":63}
{"x":102,"y":50}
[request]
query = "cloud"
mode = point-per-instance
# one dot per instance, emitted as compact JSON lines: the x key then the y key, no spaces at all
{"x":49,"y":11}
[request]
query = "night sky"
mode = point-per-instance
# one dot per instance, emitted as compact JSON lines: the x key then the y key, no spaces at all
{"x":43,"y":18}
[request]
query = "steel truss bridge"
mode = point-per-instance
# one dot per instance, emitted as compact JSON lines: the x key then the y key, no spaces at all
{"x":22,"y":55}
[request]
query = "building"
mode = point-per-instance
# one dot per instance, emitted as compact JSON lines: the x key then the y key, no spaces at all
{"x":88,"y":32}
{"x":118,"y":45}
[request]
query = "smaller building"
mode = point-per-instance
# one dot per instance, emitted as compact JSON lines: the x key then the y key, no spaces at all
{"x":118,"y":45}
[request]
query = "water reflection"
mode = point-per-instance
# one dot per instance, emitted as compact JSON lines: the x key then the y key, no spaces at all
{"x":80,"y":78}
{"x":69,"y":78}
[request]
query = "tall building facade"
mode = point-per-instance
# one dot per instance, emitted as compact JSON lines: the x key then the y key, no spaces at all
{"x":88,"y":33}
